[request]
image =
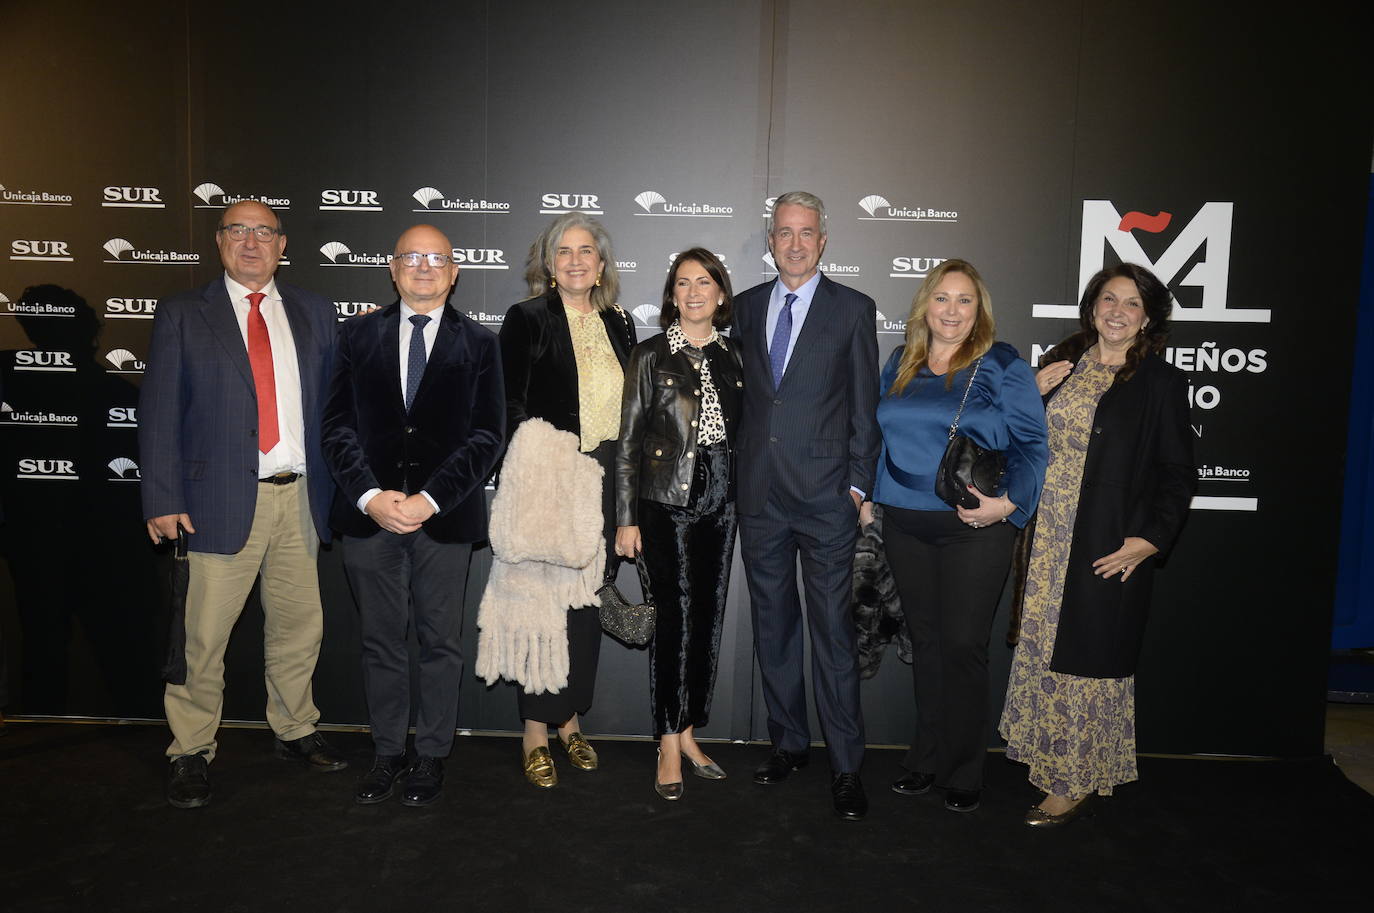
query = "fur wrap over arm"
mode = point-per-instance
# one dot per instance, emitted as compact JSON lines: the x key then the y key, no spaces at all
{"x":548,"y":555}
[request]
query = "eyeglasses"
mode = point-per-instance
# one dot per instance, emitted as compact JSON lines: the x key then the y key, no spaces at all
{"x":238,"y":231}
{"x":412,"y":259}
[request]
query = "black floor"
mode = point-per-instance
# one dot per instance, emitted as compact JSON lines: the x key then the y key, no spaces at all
{"x":84,"y":827}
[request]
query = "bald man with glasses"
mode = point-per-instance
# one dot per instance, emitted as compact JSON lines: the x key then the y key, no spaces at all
{"x":415,"y":421}
{"x":229,"y":453}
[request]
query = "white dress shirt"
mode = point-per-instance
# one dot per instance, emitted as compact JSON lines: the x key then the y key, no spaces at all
{"x":289,"y":454}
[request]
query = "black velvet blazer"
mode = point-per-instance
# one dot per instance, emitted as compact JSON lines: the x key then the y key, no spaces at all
{"x":445,"y":444}
{"x":539,"y":363}
{"x":1138,"y":480}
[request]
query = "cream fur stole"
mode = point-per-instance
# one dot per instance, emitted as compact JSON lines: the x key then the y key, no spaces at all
{"x":547,"y":556}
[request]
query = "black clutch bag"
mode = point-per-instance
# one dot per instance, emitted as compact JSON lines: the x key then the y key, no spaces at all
{"x":628,"y":622}
{"x":965,"y":463}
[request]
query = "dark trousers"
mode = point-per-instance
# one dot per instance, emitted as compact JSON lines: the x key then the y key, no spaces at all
{"x":770,"y":543}
{"x":687,"y":555}
{"x":400,"y":582}
{"x":584,"y":625}
{"x":949,"y":577}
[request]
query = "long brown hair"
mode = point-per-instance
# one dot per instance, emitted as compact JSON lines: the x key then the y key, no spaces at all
{"x":1153,"y":336}
{"x":980,"y":337}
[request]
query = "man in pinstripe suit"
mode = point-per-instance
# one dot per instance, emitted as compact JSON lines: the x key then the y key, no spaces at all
{"x":808,"y":445}
{"x":229,"y":446}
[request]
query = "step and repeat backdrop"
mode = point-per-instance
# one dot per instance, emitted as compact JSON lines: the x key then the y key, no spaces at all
{"x":1041,"y":142}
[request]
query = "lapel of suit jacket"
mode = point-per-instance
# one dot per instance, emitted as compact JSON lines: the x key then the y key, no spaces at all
{"x":390,"y":343}
{"x":560,"y":339}
{"x":224,"y":326}
{"x":445,"y":347}
{"x":811,"y":330}
{"x":303,"y":337}
{"x":615,"y":320}
{"x":758,"y":305}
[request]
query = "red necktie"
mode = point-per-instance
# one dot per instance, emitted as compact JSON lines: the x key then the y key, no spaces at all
{"x":264,"y":379}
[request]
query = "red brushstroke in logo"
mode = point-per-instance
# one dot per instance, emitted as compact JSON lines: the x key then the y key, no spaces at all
{"x":1152,"y":224}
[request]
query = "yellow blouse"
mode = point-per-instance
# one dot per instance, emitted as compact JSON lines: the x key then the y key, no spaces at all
{"x":600,"y":379}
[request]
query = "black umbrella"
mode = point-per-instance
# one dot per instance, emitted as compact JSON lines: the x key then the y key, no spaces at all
{"x":174,"y":670}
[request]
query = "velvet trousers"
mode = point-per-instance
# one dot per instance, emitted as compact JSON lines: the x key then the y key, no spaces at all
{"x":584,"y":624}
{"x":950,"y":578}
{"x":687,"y":556}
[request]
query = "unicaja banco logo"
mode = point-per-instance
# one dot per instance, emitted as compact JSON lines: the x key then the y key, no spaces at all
{"x":432,"y":199}
{"x":123,"y":469}
{"x":1210,"y":229}
{"x":879,"y":209}
{"x":33,"y":197}
{"x":336,"y":253}
{"x":122,"y":361}
{"x":117,"y":248}
{"x":655,"y":204}
{"x":213,"y":196}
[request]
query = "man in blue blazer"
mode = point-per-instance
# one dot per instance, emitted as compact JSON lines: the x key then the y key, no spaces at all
{"x":415,"y":421}
{"x":808,"y":445}
{"x":229,"y":447}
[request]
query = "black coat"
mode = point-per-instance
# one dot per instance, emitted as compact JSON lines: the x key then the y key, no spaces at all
{"x":658,"y":420}
{"x":540,"y":365}
{"x":445,"y":445}
{"x":1138,"y":480}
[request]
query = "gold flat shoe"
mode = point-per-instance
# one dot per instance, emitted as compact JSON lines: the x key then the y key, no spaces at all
{"x":539,"y":768}
{"x":580,"y":751}
{"x":1038,"y":817}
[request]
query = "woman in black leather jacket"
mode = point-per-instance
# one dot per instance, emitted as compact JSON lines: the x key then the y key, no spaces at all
{"x":675,"y":499}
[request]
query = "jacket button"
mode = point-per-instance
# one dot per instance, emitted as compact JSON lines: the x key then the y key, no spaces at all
{"x":1097,"y":430}
{"x":658,"y":453}
{"x":684,"y":486}
{"x":694,"y":423}
{"x":691,"y":454}
{"x":697,"y":392}
{"x":777,"y":402}
{"x":410,"y":429}
{"x":669,"y":381}
{"x":400,"y":464}
{"x":739,"y":383}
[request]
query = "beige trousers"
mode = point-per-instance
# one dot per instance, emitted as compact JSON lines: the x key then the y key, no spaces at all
{"x":282,"y":548}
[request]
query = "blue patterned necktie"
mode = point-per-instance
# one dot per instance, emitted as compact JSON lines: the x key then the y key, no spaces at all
{"x":782,"y":335}
{"x":416,"y":369}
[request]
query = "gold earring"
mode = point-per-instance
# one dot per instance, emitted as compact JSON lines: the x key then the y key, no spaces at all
{"x":598,"y":279}
{"x":553,"y":283}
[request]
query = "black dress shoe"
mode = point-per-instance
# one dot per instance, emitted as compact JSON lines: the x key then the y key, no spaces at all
{"x":962,"y":800}
{"x":913,"y":784}
{"x":848,"y":792}
{"x":424,"y":782}
{"x":379,"y":782}
{"x":312,"y":750}
{"x":779,"y":764}
{"x":188,"y":782}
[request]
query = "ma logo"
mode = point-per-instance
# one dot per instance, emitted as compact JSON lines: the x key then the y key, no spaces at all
{"x":1104,"y":226}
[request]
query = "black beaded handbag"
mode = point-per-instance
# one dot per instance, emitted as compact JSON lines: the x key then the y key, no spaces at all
{"x":965,"y":463}
{"x":628,"y":622}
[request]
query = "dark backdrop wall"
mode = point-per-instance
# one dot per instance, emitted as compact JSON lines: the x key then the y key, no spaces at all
{"x":1040,"y":141}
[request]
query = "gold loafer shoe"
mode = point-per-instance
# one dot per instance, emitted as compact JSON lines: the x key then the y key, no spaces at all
{"x":1038,"y":817}
{"x":580,"y":751}
{"x":539,"y":768}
